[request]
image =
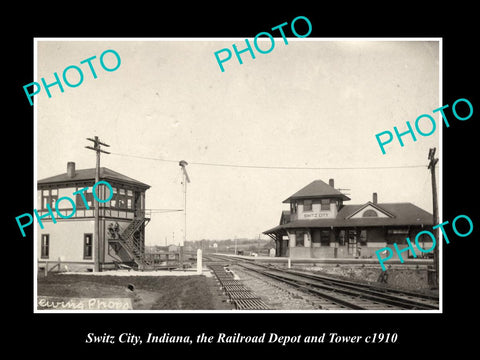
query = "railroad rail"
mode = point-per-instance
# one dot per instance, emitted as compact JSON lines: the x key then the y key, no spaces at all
{"x":343,"y":294}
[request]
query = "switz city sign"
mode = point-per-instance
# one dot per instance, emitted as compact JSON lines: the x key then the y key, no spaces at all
{"x":316,"y":215}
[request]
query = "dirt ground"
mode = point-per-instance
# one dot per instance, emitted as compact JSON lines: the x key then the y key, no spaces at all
{"x":194,"y":292}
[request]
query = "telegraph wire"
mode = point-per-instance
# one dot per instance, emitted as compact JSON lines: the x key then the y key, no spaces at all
{"x":274,"y":167}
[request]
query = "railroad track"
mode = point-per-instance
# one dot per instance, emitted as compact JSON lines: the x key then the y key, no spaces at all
{"x":241,"y":296}
{"x":343,"y":294}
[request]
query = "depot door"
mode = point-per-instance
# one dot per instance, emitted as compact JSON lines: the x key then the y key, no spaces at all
{"x":352,"y":242}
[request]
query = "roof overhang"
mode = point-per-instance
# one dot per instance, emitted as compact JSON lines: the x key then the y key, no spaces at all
{"x":345,"y":223}
{"x":333,"y":196}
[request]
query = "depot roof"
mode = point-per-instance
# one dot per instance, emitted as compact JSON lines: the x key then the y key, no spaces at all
{"x":89,"y":174}
{"x":317,"y":190}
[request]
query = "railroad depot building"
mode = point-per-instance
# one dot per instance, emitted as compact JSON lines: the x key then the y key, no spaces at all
{"x":319,"y":225}
{"x":71,"y":241}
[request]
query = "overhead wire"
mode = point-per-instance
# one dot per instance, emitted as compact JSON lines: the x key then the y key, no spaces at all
{"x":273,"y":167}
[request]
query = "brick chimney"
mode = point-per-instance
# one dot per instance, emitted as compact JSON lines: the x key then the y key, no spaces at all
{"x":375,"y":198}
{"x":331,"y":182}
{"x":71,"y":169}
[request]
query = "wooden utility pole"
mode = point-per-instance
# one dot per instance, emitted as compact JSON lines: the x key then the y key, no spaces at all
{"x":431,"y":167}
{"x":96,"y":242}
{"x":186,"y":180}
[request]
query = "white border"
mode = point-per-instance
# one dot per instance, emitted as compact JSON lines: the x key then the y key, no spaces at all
{"x":440,"y":185}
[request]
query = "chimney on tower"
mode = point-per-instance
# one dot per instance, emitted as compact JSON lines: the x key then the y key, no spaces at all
{"x":375,"y":198}
{"x":331,"y":182}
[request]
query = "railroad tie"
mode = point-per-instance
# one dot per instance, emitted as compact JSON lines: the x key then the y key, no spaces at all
{"x":227,"y":282}
{"x":250,"y":304}
{"x":240,"y":287}
{"x":239,"y":295}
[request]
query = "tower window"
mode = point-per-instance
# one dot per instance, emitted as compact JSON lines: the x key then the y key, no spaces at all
{"x":49,"y":197}
{"x":45,"y":246}
{"x":87,"y":246}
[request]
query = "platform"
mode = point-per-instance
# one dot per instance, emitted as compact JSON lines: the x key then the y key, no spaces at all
{"x":351,"y":261}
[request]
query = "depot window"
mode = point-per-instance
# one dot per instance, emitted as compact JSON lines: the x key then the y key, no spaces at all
{"x":299,"y":239}
{"x":403,"y":231}
{"x":341,"y":238}
{"x":325,"y":237}
{"x":325,"y":204}
{"x":293,"y":207}
{"x":363,"y":237}
{"x":370,"y":213}
{"x":307,"y":205}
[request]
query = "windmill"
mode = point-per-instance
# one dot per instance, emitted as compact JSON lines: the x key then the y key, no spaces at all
{"x":186,"y":180}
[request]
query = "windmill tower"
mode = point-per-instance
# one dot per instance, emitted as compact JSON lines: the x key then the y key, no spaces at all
{"x":186,"y":180}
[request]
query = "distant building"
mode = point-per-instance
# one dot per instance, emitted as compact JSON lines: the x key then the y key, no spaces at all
{"x":319,"y":225}
{"x":122,"y":220}
{"x":161,"y":255}
{"x":173,"y":248}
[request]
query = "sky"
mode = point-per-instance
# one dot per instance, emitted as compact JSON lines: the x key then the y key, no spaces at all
{"x":314,"y":103}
